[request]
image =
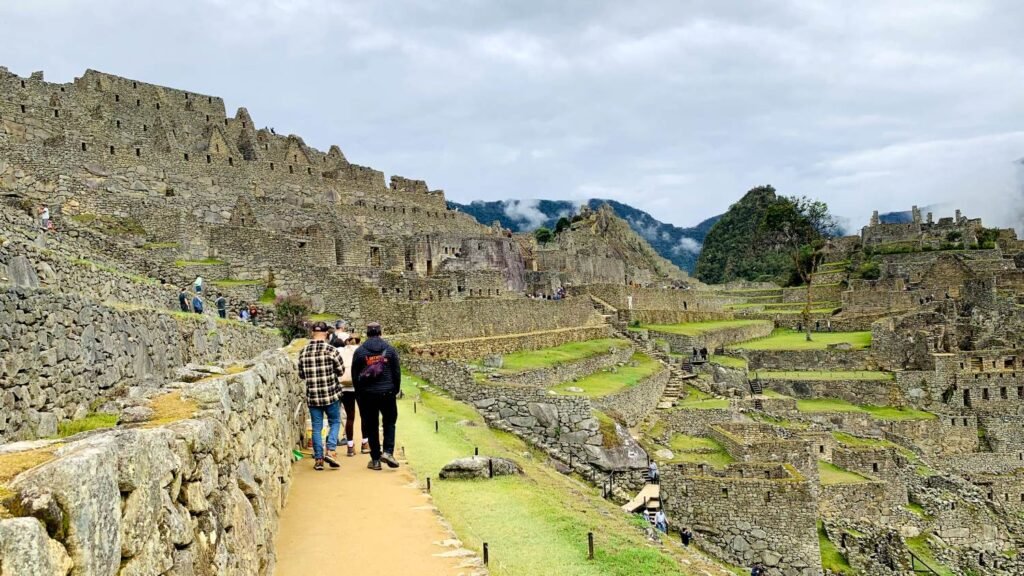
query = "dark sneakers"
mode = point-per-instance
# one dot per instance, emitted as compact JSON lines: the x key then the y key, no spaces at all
{"x":318,"y":465}
{"x":373,"y":465}
{"x":331,"y":459}
{"x":388,"y":459}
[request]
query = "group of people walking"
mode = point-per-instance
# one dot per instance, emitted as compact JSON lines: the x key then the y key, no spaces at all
{"x":342,"y":373}
{"x":194,"y":303}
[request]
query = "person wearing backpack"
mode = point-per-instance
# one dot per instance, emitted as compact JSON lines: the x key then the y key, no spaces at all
{"x":222,"y":305}
{"x":197,"y":304}
{"x":377,"y":377}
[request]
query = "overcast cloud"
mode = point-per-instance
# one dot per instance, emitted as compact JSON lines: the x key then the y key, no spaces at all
{"x":676,"y":107}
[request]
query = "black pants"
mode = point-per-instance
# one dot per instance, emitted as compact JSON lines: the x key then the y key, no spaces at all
{"x":371,"y":406}
{"x":348,"y":400}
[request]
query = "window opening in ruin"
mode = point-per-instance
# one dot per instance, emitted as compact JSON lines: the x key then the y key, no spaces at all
{"x":225,"y":121}
{"x":157,"y":105}
{"x":266,"y":146}
{"x":961,"y":365}
{"x":83,"y":146}
{"x":309,"y":171}
{"x":295,"y":157}
{"x":186,"y":95}
{"x":271,"y":165}
{"x":186,"y":156}
{"x":22,"y":108}
{"x":243,"y":124}
{"x":117,"y":123}
{"x":339,"y":253}
{"x":61,"y":88}
{"x":209,"y":99}
{"x":117,"y":97}
{"x":111,"y":150}
{"x":965,"y":421}
{"x":967,"y":398}
{"x":984,"y":393}
{"x":768,"y":497}
{"x":430,"y":267}
{"x":207,"y":118}
{"x":145,"y":128}
{"x":290,"y":169}
{"x":56,"y":113}
{"x":821,"y":449}
{"x":135,"y":85}
{"x":374,"y":256}
{"x":138,"y":151}
{"x":243,"y":221}
{"x":22,"y":83}
{"x":874,"y":466}
{"x":302,"y":244}
{"x":231,"y":161}
{"x":725,"y":491}
{"x":1008,"y":363}
{"x":461,"y":289}
{"x":208,"y":159}
{"x":138,"y":102}
{"x":1002,"y":393}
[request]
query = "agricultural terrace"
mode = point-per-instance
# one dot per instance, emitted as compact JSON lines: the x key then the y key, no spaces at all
{"x":613,"y":380}
{"x":698,"y":328}
{"x":836,"y":375}
{"x":527,"y":360}
{"x":830,"y":474}
{"x":785,"y":339}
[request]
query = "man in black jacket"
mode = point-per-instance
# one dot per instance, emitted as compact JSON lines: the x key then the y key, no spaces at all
{"x":377,"y":377}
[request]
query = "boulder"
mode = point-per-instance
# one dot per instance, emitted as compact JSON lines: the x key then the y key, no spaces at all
{"x":546,"y":414}
{"x":21,"y":273}
{"x":494,"y":361}
{"x":26,"y":550}
{"x":478,"y":467}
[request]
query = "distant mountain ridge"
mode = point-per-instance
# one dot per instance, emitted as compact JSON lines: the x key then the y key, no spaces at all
{"x":681,"y":246}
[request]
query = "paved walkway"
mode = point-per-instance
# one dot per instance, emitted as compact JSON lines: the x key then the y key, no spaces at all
{"x":355,"y":521}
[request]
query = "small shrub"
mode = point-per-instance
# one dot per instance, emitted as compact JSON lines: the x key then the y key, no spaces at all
{"x":268,"y":295}
{"x":543,"y":235}
{"x":401,"y":346}
{"x":292,"y":312}
{"x":869,"y":271}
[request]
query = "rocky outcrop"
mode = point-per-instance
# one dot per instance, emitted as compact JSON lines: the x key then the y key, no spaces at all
{"x":479,"y":467}
{"x":198,"y":496}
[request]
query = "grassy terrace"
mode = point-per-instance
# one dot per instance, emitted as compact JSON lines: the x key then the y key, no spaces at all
{"x":919,"y":546}
{"x":785,"y":339}
{"x":698,"y":450}
{"x":531,"y":522}
{"x":203,"y":262}
{"x":229,"y":282}
{"x":526,"y":360}
{"x":831,"y":474}
{"x":824,"y":375}
{"x":831,"y":558}
{"x":698,"y":328}
{"x":878,"y":412}
{"x":729,"y":362}
{"x":607,"y":382}
{"x":697,"y":400}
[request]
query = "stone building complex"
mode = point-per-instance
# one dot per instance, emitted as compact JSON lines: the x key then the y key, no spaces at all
{"x":893,"y":437}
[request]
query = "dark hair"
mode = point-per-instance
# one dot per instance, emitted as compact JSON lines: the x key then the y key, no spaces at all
{"x":373,"y":329}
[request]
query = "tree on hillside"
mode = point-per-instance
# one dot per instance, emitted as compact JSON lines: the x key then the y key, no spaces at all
{"x":801,"y":226}
{"x":562,"y":224}
{"x":543,"y":235}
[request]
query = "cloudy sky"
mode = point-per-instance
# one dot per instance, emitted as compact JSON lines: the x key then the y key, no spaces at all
{"x":677,"y":107}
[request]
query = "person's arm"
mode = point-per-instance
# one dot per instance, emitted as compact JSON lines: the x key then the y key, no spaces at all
{"x":339,"y":363}
{"x":396,"y":372}
{"x":302,"y":371}
{"x":358,"y":365}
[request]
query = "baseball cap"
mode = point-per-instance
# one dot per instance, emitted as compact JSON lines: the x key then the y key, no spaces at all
{"x":320,"y":326}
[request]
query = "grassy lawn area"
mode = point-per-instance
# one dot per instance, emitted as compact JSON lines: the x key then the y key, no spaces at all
{"x":203,"y":262}
{"x":532,"y":523}
{"x":832,"y":474}
{"x":607,"y":382}
{"x":325,"y":317}
{"x":919,"y":546}
{"x":785,"y":339}
{"x":729,"y":362}
{"x":229,"y":282}
{"x":879,"y":412}
{"x":698,"y":400}
{"x":697,"y":449}
{"x":831,"y":558}
{"x":824,"y":375}
{"x":696,"y":328}
{"x":527,"y":360}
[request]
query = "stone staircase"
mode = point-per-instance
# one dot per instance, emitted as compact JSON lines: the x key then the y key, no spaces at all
{"x":757,"y":390}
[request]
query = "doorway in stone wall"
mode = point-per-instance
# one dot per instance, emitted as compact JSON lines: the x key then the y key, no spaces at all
{"x":430,"y":267}
{"x":339,"y":253}
{"x":967,"y":398}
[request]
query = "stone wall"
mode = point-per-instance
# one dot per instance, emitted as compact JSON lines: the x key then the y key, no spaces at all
{"x":829,"y":359}
{"x":634,"y":403}
{"x":694,"y":422}
{"x":196,"y":496}
{"x":568,"y":371}
{"x":61,"y":353}
{"x":867,"y":501}
{"x":713,"y":339}
{"x":749,"y":518}
{"x":879,"y":392}
{"x":472,"y":348}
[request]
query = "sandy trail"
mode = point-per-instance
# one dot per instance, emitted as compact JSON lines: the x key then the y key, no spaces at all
{"x":354,"y":521}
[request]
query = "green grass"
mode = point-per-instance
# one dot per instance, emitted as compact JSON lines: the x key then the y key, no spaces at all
{"x":229,"y":282}
{"x":781,"y":422}
{"x":698,"y":450}
{"x":531,"y":522}
{"x":831,"y":474}
{"x":268,"y":296}
{"x":697,"y":399}
{"x":115,"y":225}
{"x":824,"y":375}
{"x":697,"y":328}
{"x":90,"y":422}
{"x":527,"y":360}
{"x":919,"y":546}
{"x":918,"y":510}
{"x":159,"y":245}
{"x":729,"y":362}
{"x":203,"y":262}
{"x":831,"y":558}
{"x":889,"y":413}
{"x":607,"y":382}
{"x":785,"y":339}
{"x":137,"y":278}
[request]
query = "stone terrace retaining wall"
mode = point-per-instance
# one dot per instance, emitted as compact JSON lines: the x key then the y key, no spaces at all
{"x":829,"y":359}
{"x":694,"y":422}
{"x":569,"y":371}
{"x":471,"y":348}
{"x":682,"y":344}
{"x":670,"y":316}
{"x":197,"y":496}
{"x":868,"y":500}
{"x":879,"y":392}
{"x":59,"y":353}
{"x":636,"y":402}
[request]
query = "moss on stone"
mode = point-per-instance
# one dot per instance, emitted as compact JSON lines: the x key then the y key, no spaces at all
{"x":171,"y":407}
{"x":92,"y":421}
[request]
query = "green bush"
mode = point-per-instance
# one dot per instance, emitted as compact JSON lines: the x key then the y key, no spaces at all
{"x":543,"y":235}
{"x":292,"y":312}
{"x":869,"y":271}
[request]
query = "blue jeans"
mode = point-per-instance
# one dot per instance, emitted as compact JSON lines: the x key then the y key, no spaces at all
{"x":316,"y":414}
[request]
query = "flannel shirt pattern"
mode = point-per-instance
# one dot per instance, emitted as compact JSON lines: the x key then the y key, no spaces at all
{"x":321,"y":366}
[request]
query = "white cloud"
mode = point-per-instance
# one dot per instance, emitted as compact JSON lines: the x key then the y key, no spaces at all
{"x":525,"y":211}
{"x":687,"y":245}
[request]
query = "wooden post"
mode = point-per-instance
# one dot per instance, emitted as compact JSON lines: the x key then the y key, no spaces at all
{"x":476,"y":451}
{"x":414,"y":407}
{"x":487,"y":554}
{"x":428,"y":483}
{"x":437,"y":426}
{"x":490,"y":468}
{"x":590,"y":545}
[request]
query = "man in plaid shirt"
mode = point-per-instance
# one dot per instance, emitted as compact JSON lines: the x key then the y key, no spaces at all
{"x":321,"y":366}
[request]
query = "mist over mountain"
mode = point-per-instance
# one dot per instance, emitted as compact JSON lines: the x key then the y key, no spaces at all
{"x":679,"y":245}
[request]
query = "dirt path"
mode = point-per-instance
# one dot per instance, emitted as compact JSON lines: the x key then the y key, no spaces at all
{"x":355,"y":521}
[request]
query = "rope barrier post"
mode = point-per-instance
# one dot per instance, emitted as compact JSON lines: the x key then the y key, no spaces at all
{"x":487,"y":554}
{"x":590,"y":545}
{"x":428,"y":483}
{"x":476,"y":451}
{"x":490,"y":467}
{"x":414,"y":407}
{"x":437,"y":426}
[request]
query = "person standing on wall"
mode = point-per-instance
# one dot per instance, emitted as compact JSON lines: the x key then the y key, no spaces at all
{"x":222,"y":306}
{"x":197,"y":304}
{"x":254,"y":315}
{"x":183,"y":300}
{"x":378,"y":381}
{"x":44,"y":217}
{"x":321,"y":367}
{"x":348,"y":398}
{"x":197,"y":284}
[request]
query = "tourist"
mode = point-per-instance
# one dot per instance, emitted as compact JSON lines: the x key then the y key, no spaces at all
{"x":197,"y":284}
{"x":652,"y":471}
{"x":197,"y":304}
{"x":348,"y":398}
{"x":183,"y":300}
{"x":222,"y":305}
{"x":758,"y":570}
{"x":661,"y":521}
{"x":243,"y":314}
{"x":704,"y":353}
{"x":339,"y":338}
{"x":44,"y":217}
{"x":378,"y":381}
{"x":817,"y":325}
{"x":321,"y":366}
{"x":254,"y":314}
{"x":686,"y":536}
